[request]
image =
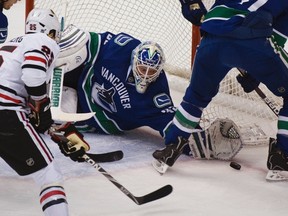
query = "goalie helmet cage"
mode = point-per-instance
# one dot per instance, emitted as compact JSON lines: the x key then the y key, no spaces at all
{"x":162,"y":22}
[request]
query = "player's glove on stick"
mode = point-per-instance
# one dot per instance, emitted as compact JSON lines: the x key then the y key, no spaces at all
{"x":247,"y":82}
{"x":74,"y":146}
{"x":194,"y":11}
{"x":40,"y":115}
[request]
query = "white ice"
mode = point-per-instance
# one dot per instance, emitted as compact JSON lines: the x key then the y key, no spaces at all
{"x":201,"y":188}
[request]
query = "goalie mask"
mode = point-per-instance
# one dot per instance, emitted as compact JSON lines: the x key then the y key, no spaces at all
{"x":147,"y":63}
{"x":43,"y":21}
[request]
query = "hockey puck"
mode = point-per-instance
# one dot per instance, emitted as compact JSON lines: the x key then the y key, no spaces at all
{"x":235,"y":165}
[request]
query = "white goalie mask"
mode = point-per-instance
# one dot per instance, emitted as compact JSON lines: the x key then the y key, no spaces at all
{"x":43,"y":21}
{"x":147,"y":63}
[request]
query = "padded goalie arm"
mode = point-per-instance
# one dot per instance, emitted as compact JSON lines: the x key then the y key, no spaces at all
{"x":73,"y":50}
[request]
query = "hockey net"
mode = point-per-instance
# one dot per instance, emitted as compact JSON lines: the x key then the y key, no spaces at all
{"x":162,"y":21}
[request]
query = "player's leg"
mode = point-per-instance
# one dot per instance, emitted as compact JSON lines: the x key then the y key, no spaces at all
{"x":24,"y":150}
{"x":268,"y":64}
{"x":206,"y":76}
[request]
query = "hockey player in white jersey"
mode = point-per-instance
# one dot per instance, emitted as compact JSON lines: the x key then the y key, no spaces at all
{"x":26,"y":63}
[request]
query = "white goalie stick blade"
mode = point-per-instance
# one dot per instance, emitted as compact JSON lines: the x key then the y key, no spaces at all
{"x":55,"y":94}
{"x":160,"y":166}
{"x":277,"y":175}
{"x":59,"y":115}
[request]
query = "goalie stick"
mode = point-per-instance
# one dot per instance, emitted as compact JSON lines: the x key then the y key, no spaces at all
{"x":55,"y":95}
{"x":158,"y":194}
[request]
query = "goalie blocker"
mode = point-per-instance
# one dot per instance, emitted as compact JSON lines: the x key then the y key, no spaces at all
{"x":222,"y":141}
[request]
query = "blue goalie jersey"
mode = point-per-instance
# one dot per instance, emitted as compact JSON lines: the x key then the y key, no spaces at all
{"x":107,"y":87}
{"x":3,"y":28}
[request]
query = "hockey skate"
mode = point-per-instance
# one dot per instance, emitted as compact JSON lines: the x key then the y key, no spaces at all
{"x":166,"y":157}
{"x":277,"y":163}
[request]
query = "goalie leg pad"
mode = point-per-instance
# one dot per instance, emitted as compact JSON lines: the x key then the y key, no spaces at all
{"x":222,"y":141}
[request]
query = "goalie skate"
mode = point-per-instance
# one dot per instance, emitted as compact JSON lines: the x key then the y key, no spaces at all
{"x":160,"y":166}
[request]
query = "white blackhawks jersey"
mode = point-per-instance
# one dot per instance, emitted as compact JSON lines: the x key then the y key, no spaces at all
{"x":26,"y":60}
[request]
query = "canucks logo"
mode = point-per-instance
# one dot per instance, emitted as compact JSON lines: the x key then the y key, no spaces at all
{"x":162,"y":100}
{"x":104,"y":97}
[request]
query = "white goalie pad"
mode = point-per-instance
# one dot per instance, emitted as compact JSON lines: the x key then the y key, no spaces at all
{"x":69,"y":100}
{"x":222,"y":141}
{"x":73,"y":51}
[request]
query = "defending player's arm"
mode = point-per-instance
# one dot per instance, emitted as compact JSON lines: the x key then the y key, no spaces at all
{"x":193,"y":10}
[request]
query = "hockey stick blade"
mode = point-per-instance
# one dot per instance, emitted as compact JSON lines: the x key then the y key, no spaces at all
{"x":59,"y":115}
{"x":106,"y":157}
{"x":155,"y":195}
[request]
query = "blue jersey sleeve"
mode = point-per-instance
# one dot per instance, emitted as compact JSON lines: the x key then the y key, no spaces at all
{"x":3,"y":28}
{"x":243,"y":19}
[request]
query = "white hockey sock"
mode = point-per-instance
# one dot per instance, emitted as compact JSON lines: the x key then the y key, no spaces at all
{"x":53,"y":201}
{"x":52,"y":196}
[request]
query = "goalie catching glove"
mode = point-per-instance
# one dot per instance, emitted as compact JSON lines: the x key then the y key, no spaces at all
{"x":222,"y":141}
{"x":70,"y":141}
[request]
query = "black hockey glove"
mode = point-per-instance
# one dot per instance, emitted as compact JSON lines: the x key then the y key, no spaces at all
{"x":194,"y":11}
{"x":70,"y":141}
{"x":247,"y":82}
{"x":40,"y":115}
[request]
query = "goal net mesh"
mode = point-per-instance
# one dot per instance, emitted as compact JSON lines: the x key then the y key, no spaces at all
{"x":162,"y":21}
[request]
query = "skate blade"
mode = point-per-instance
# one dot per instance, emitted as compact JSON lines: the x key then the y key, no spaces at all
{"x":159,"y":166}
{"x":277,"y":175}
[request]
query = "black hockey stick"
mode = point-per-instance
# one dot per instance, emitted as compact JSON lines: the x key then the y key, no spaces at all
{"x":158,"y":194}
{"x":268,"y":102}
{"x":106,"y":157}
{"x":99,"y":158}
{"x":161,"y":192}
